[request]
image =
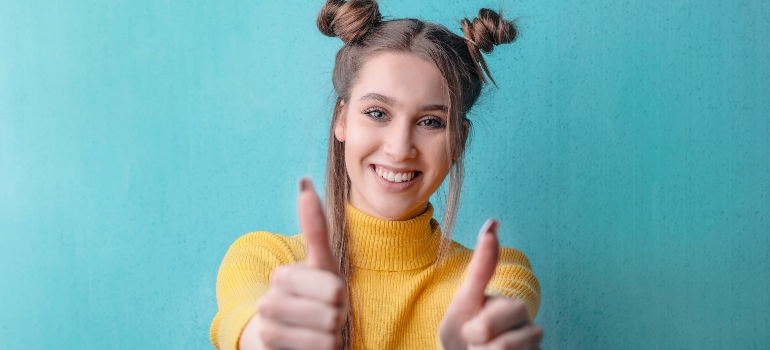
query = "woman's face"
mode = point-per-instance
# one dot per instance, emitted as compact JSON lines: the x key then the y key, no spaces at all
{"x":394,"y":129}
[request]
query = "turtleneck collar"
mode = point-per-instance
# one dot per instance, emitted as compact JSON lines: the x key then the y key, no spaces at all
{"x":384,"y":245}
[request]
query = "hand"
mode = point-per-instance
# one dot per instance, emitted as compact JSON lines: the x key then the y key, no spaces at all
{"x":306,"y":303}
{"x":474,"y":320}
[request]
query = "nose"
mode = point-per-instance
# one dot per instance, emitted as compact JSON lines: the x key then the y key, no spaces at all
{"x":399,"y":142}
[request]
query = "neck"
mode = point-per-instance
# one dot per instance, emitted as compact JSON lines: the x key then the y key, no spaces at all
{"x":390,"y":245}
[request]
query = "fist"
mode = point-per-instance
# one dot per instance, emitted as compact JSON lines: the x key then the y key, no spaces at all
{"x":306,"y":303}
{"x":304,"y":308}
{"x":475,"y":320}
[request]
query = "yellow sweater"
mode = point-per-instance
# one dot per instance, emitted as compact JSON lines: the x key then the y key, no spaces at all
{"x":396,"y":299}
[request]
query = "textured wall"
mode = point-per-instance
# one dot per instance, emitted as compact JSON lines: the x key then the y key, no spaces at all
{"x":626,"y":151}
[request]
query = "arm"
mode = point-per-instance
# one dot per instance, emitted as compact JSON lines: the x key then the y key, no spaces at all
{"x":476,"y":319}
{"x":244,"y":277}
{"x":301,"y":305}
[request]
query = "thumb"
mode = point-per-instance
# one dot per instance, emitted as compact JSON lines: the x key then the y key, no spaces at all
{"x":482,"y":266}
{"x":312,"y":223}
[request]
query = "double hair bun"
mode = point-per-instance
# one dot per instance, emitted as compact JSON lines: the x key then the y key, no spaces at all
{"x":487,"y":30}
{"x":352,"y":20}
{"x":349,"y":20}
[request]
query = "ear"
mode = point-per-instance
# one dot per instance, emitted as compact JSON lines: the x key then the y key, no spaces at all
{"x":339,"y":128}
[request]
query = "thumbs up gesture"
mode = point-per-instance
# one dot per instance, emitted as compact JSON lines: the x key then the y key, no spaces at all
{"x":306,"y":303}
{"x":475,"y":320}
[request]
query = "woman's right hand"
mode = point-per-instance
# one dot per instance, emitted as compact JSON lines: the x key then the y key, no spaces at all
{"x":306,"y":303}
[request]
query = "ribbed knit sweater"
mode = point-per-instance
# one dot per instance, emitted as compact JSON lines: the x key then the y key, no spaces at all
{"x":398,"y":294}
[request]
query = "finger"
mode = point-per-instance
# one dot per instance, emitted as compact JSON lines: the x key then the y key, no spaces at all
{"x":498,"y":315}
{"x":482,"y":266}
{"x":278,"y":336}
{"x":304,"y":281}
{"x":527,"y":337}
{"x":312,"y":222}
{"x":300,"y":312}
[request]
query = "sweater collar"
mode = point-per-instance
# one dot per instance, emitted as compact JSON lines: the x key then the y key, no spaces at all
{"x":384,"y":245}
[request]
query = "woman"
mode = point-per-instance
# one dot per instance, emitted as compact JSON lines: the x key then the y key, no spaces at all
{"x":379,"y":273}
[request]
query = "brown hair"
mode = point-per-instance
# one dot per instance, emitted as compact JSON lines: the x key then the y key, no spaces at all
{"x":360,"y":26}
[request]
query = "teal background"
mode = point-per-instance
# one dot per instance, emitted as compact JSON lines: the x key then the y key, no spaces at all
{"x":626,"y":151}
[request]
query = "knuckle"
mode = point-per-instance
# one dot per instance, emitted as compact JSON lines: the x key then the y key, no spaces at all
{"x":329,"y":321}
{"x":269,"y":334}
{"x":289,"y":277}
{"x":338,"y":319}
{"x":483,"y":327}
{"x":338,"y":288}
{"x":518,"y":306}
{"x":335,"y":289}
{"x":342,"y":316}
{"x":268,"y":305}
{"x":265,"y":305}
{"x":336,"y":283}
{"x":327,"y":342}
{"x":538,"y":333}
{"x":279,"y":275}
{"x":268,"y":310}
{"x":474,"y":331}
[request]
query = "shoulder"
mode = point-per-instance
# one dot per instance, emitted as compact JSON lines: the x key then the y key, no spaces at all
{"x":508,"y":256}
{"x":244,"y":277}
{"x":272,"y":248}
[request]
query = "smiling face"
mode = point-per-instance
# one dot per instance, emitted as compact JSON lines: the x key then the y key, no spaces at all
{"x":394,"y":130}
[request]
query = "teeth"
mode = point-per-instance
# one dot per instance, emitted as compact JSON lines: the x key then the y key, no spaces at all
{"x":395,"y":177}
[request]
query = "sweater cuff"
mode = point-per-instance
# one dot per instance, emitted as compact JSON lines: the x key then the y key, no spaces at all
{"x":227,"y":327}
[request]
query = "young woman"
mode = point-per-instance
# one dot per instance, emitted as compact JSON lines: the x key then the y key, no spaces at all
{"x":379,"y":273}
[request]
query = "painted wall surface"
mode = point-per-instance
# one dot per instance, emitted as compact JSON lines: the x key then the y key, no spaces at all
{"x":626,"y":151}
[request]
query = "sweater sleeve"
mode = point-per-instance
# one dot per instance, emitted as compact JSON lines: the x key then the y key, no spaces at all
{"x":514,"y":278}
{"x":244,"y":276}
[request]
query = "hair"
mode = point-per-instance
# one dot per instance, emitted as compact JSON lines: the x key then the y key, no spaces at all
{"x":360,"y":26}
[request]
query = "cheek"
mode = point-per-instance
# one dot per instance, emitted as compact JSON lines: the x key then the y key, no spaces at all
{"x":441,"y":164}
{"x":358,"y":145}
{"x":435,"y":154}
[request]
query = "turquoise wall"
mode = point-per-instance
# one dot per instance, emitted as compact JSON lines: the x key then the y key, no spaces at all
{"x":626,"y":151}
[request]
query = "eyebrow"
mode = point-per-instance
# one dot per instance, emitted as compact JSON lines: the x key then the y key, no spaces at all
{"x":391,"y":101}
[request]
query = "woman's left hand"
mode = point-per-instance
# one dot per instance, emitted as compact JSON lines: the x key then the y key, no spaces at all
{"x":475,"y":320}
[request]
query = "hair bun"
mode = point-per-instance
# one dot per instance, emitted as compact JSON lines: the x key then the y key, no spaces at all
{"x":488,"y":29}
{"x":350,"y":20}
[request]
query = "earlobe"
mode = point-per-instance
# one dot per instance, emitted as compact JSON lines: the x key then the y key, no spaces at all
{"x":339,"y":128}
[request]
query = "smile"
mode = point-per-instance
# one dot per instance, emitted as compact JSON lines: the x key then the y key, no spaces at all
{"x":392,"y":176}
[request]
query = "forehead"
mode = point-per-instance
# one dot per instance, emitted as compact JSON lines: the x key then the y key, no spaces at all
{"x":406,"y":78}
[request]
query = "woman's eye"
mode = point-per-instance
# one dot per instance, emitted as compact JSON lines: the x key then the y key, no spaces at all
{"x":375,"y":114}
{"x":432,"y":123}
